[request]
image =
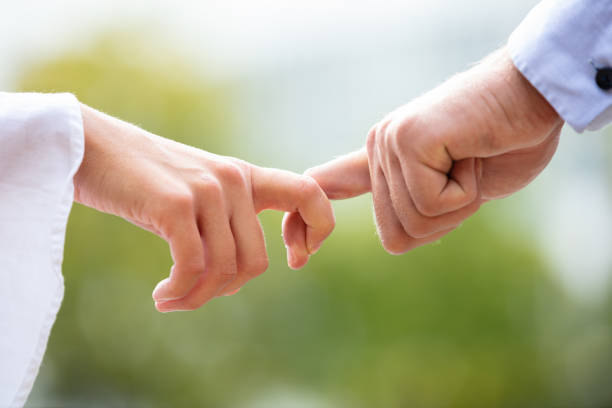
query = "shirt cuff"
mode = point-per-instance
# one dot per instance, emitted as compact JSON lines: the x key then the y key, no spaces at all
{"x":557,"y":48}
{"x":41,"y":148}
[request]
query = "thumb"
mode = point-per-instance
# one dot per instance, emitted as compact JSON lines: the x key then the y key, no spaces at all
{"x":344,"y":177}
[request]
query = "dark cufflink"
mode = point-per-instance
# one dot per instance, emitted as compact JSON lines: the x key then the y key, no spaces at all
{"x":603,"y":78}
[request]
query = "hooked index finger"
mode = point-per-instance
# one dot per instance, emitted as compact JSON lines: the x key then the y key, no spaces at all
{"x":345,"y":176}
{"x":290,"y":192}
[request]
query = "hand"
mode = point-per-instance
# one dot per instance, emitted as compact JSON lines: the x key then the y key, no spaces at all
{"x":203,"y":204}
{"x":430,"y":164}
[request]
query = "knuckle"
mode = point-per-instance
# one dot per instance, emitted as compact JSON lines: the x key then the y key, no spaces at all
{"x":257,"y":267}
{"x":195,"y":269}
{"x":308,"y":187}
{"x":227,"y":274}
{"x":180,"y":202}
{"x":407,"y":125}
{"x":262,"y":264}
{"x":404,"y":132}
{"x":371,"y":147}
{"x":371,"y":137}
{"x":427,"y":206}
{"x":393,"y":239}
{"x":331,"y":222}
{"x":471,"y":194}
{"x":210,"y":186}
{"x":397,"y":245}
{"x":384,"y":133}
{"x":232,"y":174}
{"x":418,"y":228}
{"x":311,"y":172}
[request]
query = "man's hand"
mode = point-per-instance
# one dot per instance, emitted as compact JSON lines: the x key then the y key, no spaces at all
{"x":484,"y":134}
{"x":203,"y":204}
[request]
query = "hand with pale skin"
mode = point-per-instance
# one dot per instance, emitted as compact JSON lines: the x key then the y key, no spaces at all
{"x":203,"y":204}
{"x":482,"y":135}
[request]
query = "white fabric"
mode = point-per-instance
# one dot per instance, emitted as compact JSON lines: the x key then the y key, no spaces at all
{"x":553,"y":48}
{"x":41,"y":147}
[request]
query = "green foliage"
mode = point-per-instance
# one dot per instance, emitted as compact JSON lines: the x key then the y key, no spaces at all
{"x":474,"y":321}
{"x":124,"y":76}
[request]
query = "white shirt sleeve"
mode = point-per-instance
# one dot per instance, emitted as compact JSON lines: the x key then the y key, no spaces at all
{"x":558,"y":47}
{"x":41,"y":148}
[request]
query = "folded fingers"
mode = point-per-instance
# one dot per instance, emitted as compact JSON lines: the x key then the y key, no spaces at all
{"x":401,"y":224}
{"x":293,"y":193}
{"x":219,"y":249}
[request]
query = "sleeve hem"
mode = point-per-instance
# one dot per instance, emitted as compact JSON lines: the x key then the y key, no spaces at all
{"x":73,"y":129}
{"x":556,"y":60}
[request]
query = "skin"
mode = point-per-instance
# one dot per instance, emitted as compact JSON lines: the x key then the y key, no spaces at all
{"x":204,"y":205}
{"x":482,"y":135}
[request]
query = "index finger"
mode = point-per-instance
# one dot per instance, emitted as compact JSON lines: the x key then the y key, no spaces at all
{"x":344,"y":177}
{"x":286,"y":191}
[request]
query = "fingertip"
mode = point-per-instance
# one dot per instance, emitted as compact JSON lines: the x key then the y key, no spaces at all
{"x":164,"y":296}
{"x":233,"y":292}
{"x":316,"y":238}
{"x":314,"y":248}
{"x":294,"y":236}
{"x":294,"y":232}
{"x":296,"y":259}
{"x":315,"y":235}
{"x":344,"y":177}
{"x":160,"y":293}
{"x":160,"y":306}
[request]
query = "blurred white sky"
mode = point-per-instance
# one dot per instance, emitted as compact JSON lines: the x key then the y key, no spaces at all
{"x":315,"y":75}
{"x":238,"y":35}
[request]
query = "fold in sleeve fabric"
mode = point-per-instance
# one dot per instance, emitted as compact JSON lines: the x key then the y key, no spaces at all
{"x":41,"y":148}
{"x":559,"y":47}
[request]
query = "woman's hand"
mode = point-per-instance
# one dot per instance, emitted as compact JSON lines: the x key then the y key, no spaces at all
{"x":203,"y":204}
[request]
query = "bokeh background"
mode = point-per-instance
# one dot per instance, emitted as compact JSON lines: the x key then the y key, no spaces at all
{"x":514,"y":309}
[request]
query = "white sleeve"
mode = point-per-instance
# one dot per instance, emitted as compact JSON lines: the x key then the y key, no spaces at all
{"x":559,"y":48}
{"x":41,"y":148}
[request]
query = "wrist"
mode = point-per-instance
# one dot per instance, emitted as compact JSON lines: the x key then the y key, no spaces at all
{"x":104,"y":140}
{"x":89,"y":150}
{"x":520,"y":102}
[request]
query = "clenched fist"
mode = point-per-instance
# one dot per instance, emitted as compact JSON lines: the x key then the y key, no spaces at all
{"x":430,"y":164}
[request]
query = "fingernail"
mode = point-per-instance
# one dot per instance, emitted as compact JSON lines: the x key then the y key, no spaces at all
{"x":159,"y":296}
{"x":290,"y":257}
{"x":233,"y":292}
{"x":159,"y":308}
{"x":314,"y":248}
{"x":158,"y":293}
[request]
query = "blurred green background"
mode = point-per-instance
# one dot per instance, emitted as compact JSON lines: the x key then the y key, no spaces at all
{"x":479,"y":319}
